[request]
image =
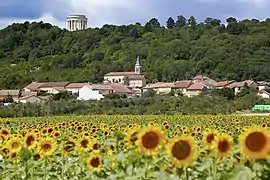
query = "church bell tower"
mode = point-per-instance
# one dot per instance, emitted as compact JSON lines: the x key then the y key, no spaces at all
{"x":138,"y":66}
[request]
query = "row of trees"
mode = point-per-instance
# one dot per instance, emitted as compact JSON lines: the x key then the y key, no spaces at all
{"x":42,"y":52}
{"x":217,"y":102}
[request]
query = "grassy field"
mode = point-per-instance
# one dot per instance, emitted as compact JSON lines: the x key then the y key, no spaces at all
{"x":135,"y":147}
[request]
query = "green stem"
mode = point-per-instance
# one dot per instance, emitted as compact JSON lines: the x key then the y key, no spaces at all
{"x":187,"y":174}
{"x":26,"y":170}
{"x":63,"y":165}
{"x":45,"y":168}
{"x":215,"y":169}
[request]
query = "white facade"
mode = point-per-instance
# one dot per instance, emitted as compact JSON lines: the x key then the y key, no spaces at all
{"x":77,"y":22}
{"x":114,"y":79}
{"x":137,"y":83}
{"x":73,"y":90}
{"x":29,"y":99}
{"x":192,"y":93}
{"x":86,"y":93}
{"x":261,"y":87}
{"x":264,"y":94}
{"x":49,"y":90}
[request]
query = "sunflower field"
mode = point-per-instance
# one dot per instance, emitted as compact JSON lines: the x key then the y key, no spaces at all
{"x":135,"y":147}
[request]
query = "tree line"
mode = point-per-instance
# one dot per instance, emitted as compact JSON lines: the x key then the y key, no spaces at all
{"x":38,"y":51}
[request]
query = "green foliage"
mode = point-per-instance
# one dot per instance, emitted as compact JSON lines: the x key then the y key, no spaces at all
{"x":149,"y":93}
{"x":202,"y":104}
{"x":42,"y":52}
{"x":61,"y":95}
{"x":8,"y":99}
{"x":224,"y":92}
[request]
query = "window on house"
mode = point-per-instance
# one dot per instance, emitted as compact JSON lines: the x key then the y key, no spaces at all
{"x":113,"y":80}
{"x":119,"y":80}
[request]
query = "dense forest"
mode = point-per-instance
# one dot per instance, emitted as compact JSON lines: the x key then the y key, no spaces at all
{"x":41,"y":52}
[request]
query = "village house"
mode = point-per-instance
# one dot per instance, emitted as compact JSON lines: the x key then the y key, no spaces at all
{"x":15,"y":94}
{"x":74,"y":88}
{"x":196,"y":89}
{"x":121,"y":89}
{"x":160,"y":87}
{"x":263,"y":85}
{"x":238,"y":86}
{"x":182,"y":85}
{"x":222,"y":84}
{"x":87,"y":92}
{"x":264,"y":93}
{"x":131,"y":79}
{"x":47,"y":87}
{"x":30,"y":99}
{"x":204,"y":79}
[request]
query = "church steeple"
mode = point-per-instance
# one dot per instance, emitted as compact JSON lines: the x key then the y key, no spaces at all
{"x":138,"y":66}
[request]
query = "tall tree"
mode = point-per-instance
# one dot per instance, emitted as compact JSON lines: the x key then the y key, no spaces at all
{"x":181,"y":21}
{"x":152,"y":24}
{"x":170,"y":23}
{"x":192,"y":22}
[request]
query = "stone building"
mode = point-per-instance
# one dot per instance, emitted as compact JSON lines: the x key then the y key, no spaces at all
{"x":76,"y":22}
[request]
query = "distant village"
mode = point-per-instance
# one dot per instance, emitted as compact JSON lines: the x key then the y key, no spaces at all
{"x":131,"y":84}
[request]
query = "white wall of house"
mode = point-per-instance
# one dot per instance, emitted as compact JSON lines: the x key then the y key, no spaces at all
{"x":137,"y":83}
{"x":261,"y":87}
{"x":237,"y":89}
{"x":192,"y":93}
{"x":73,"y":90}
{"x":32,"y":99}
{"x":264,"y":95}
{"x":49,"y":90}
{"x":165,"y":90}
{"x":119,"y":79}
{"x":86,"y":94}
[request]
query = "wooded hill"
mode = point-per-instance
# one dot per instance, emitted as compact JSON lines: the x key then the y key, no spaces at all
{"x":42,"y":52}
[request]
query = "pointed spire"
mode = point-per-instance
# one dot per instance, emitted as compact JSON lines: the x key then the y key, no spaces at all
{"x":138,"y":62}
{"x":138,"y":67}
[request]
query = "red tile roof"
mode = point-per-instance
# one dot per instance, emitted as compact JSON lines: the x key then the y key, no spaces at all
{"x":136,"y":77}
{"x":223,"y":83}
{"x":240,"y":84}
{"x":33,"y":86}
{"x":54,"y":84}
{"x":161,"y":85}
{"x":120,"y":73}
{"x":196,"y":86}
{"x":182,"y":84}
{"x":76,"y":85}
{"x":9,"y":92}
{"x":267,"y":91}
{"x":119,"y":88}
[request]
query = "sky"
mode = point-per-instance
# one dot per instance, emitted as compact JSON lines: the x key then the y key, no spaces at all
{"x":118,"y":12}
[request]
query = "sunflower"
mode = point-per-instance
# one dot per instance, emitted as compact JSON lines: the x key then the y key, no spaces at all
{"x":150,"y":140}
{"x":222,"y":144}
{"x":5,"y":131}
{"x":47,"y":146}
{"x":208,"y":138}
{"x":83,"y":144}
{"x":68,"y":147}
{"x":95,"y":146}
{"x":30,"y":140}
{"x":94,"y":162}
{"x":14,"y":144}
{"x":182,"y":151}
{"x":255,"y":143}
{"x":132,"y":137}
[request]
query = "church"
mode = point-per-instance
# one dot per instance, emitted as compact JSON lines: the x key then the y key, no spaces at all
{"x":131,"y":79}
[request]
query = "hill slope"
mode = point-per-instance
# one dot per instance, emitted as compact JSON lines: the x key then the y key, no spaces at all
{"x":43,"y":52}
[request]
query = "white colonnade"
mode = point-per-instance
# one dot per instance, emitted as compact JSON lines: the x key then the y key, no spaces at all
{"x":77,"y":22}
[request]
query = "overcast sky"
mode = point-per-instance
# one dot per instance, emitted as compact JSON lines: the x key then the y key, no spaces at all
{"x":100,"y":12}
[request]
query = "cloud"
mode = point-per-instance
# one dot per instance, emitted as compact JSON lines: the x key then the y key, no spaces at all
{"x":100,"y":12}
